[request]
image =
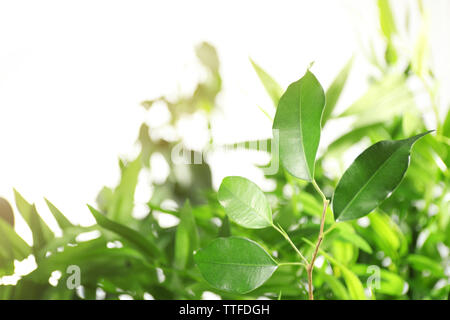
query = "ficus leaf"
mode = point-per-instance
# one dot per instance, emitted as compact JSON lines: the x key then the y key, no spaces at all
{"x":245,"y":203}
{"x":372,"y":177}
{"x":297,"y":124}
{"x":235,"y":264}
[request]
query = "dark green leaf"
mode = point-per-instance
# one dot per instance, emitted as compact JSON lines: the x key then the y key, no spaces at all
{"x":371,"y":178}
{"x":235,"y":264}
{"x":297,"y":125}
{"x":245,"y":203}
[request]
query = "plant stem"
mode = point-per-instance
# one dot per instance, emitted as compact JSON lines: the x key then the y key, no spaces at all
{"x":291,"y":264}
{"x":310,"y":266}
{"x":286,"y":236}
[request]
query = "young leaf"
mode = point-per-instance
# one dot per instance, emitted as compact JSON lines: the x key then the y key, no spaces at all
{"x":297,"y":122}
{"x":272,"y":87}
{"x":235,"y":264}
{"x":245,"y":203}
{"x":372,"y":177}
{"x":334,"y":91}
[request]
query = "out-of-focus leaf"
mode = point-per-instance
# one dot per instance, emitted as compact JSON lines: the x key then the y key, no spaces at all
{"x":225,"y":228}
{"x":6,"y":212}
{"x":354,"y":285}
{"x":63,"y":222}
{"x":355,"y":135}
{"x":297,"y":123}
{"x":389,"y":97}
{"x":134,"y":237}
{"x":344,"y":252}
{"x":423,"y":263}
{"x":335,"y":285}
{"x":122,"y":202}
{"x":235,"y":264}
{"x":311,"y":206}
{"x":392,"y":242}
{"x":186,"y":238}
{"x":245,"y":203}
{"x":208,"y":56}
{"x":349,"y":235}
{"x":387,"y":22}
{"x":334,"y":91}
{"x":272,"y":87}
{"x":41,"y":232}
{"x":372,"y":177}
{"x":10,"y":239}
{"x":389,"y":282}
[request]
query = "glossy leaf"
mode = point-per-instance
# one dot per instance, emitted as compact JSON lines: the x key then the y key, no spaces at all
{"x":272,"y":87}
{"x":297,"y":121}
{"x":372,"y":177}
{"x":235,"y":264}
{"x":245,"y":203}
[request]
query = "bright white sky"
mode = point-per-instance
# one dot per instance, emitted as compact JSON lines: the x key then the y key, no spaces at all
{"x":73,"y":73}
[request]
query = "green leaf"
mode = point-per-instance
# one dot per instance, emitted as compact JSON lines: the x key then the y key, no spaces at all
{"x":186,"y":237}
{"x":127,"y":233}
{"x":41,"y":232}
{"x":372,"y":177}
{"x":122,"y":203}
{"x":334,"y":91}
{"x":63,"y":222}
{"x":423,"y":263}
{"x":354,"y":285}
{"x":349,"y":235}
{"x":235,"y":264}
{"x":389,"y":97}
{"x":297,"y":124}
{"x":9,"y":238}
{"x":387,"y":22}
{"x":272,"y":87}
{"x":390,"y":283}
{"x":245,"y":203}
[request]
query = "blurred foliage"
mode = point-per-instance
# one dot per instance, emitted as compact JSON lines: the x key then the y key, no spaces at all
{"x":407,"y":237}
